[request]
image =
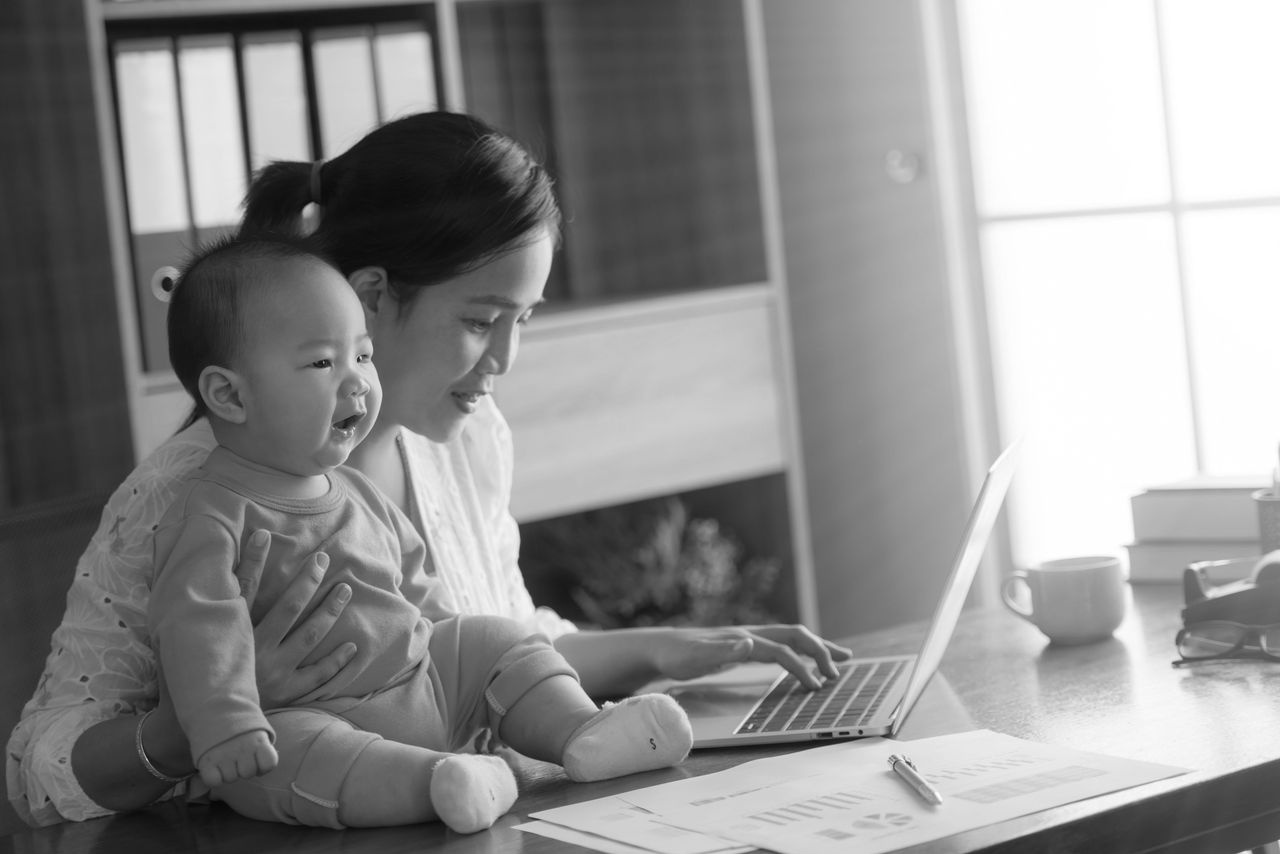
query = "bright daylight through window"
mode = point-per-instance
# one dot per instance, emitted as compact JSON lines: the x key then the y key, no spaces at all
{"x":1126,"y":161}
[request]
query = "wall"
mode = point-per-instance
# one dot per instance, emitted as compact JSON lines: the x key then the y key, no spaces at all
{"x":879,"y":401}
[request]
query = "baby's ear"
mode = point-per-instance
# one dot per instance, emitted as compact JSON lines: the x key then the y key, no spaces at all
{"x":220,"y":388}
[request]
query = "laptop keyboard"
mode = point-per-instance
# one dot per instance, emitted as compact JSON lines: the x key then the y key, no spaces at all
{"x":849,"y":700}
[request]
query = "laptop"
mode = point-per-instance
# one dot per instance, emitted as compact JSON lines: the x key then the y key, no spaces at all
{"x":871,"y":696}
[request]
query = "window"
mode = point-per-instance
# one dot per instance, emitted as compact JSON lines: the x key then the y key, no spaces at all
{"x":1126,"y":166}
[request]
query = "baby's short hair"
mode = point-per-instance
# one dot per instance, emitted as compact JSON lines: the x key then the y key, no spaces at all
{"x":206,"y":322}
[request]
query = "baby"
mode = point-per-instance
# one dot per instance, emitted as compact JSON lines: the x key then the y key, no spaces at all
{"x":271,"y":343}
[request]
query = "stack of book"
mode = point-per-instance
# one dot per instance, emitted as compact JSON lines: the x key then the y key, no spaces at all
{"x":1199,"y":518}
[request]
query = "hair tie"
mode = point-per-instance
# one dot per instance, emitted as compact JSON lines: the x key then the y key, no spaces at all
{"x":315,"y":180}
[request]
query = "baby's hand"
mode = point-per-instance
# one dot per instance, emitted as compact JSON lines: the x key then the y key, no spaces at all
{"x":240,"y":757}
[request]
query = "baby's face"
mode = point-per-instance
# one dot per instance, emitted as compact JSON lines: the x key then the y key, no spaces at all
{"x":311,"y":392}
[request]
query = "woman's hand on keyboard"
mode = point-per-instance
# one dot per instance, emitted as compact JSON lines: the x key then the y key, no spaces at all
{"x":689,"y":653}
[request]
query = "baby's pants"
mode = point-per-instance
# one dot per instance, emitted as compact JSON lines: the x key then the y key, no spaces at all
{"x":478,"y":668}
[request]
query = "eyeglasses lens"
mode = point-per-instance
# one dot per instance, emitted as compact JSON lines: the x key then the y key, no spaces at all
{"x":1269,"y":637}
{"x":1206,"y":640}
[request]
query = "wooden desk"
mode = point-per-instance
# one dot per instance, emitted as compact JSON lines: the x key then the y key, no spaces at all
{"x":1120,"y":696}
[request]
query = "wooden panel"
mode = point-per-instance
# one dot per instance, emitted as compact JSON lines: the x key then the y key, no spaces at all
{"x":504,"y":75}
{"x":609,"y":405}
{"x":876,"y":382}
{"x":64,"y":421}
{"x":653,"y":130}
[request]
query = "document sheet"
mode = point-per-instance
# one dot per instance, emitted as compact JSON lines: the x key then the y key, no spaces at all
{"x":830,"y":798}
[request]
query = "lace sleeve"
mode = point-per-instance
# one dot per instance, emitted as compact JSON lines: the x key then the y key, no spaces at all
{"x":101,"y":664}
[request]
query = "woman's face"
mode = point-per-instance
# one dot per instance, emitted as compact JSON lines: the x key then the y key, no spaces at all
{"x":438,"y":358}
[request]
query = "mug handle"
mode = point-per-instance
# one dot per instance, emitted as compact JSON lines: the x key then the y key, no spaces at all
{"x":1007,"y":592}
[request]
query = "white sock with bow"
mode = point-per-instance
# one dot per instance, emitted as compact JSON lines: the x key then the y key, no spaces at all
{"x":638,"y":734}
{"x":471,"y":792}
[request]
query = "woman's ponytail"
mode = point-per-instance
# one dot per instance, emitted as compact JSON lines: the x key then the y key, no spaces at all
{"x":279,"y":193}
{"x":426,"y":197}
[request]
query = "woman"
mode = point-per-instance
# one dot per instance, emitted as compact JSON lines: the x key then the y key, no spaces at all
{"x":446,"y":230}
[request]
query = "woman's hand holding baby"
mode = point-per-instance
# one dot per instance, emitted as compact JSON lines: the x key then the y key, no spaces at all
{"x":281,"y":642}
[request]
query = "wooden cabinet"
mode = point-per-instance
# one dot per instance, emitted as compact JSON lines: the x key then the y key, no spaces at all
{"x":663,"y":362}
{"x":874,"y":323}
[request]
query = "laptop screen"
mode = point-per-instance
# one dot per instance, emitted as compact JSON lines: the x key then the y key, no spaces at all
{"x":978,"y":531}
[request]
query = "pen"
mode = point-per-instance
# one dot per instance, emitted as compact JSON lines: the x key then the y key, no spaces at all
{"x":906,"y":769}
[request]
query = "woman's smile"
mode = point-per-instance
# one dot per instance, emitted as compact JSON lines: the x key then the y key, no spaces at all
{"x":467,"y":400}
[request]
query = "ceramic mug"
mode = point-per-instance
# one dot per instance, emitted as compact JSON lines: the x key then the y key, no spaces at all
{"x":1071,"y":600}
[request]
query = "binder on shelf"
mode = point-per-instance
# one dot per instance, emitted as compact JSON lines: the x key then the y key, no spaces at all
{"x":154,"y":177}
{"x":405,"y":66}
{"x":212,"y":132}
{"x":1198,"y":508}
{"x":275,"y":97}
{"x":346,"y":93}
{"x":1153,"y":560}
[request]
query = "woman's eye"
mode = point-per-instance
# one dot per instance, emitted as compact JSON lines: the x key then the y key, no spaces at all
{"x":525,"y":318}
{"x":480,"y":325}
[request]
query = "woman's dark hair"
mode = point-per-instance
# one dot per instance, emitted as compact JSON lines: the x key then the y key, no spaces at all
{"x":207,"y":308}
{"x":426,"y":197}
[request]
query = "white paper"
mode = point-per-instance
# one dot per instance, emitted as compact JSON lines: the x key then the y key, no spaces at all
{"x":615,"y":819}
{"x":830,"y":798}
{"x":582,"y":839}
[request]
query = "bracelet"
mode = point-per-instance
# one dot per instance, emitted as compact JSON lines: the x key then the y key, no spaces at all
{"x":146,"y":762}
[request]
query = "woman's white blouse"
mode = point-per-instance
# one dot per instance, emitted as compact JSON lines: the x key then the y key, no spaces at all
{"x":101,"y":664}
{"x":460,"y":500}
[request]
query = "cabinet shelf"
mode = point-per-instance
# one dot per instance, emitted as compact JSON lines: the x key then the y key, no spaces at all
{"x":615,"y":403}
{"x":176,"y":10}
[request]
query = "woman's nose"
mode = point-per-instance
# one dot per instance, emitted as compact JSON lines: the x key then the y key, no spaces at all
{"x":500,"y":355}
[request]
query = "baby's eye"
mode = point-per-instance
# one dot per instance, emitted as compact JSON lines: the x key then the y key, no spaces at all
{"x":322,"y":363}
{"x":364,"y":358}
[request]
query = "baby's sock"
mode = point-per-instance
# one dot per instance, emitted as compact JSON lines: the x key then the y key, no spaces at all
{"x":639,"y":734}
{"x":470,"y":793}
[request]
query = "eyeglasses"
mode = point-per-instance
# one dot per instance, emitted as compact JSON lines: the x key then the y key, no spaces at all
{"x":1213,"y":639}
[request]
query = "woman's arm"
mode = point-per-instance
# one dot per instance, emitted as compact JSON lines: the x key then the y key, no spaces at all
{"x":105,"y":758}
{"x":100,"y":666}
{"x":610,"y":663}
{"x":619,"y":661}
{"x":106,"y":763}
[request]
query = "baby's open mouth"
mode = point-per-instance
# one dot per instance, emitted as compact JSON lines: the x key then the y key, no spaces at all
{"x":349,"y":422}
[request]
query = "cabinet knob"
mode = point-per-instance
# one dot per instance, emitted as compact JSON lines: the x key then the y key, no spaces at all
{"x":163,"y":281}
{"x":902,"y":167}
